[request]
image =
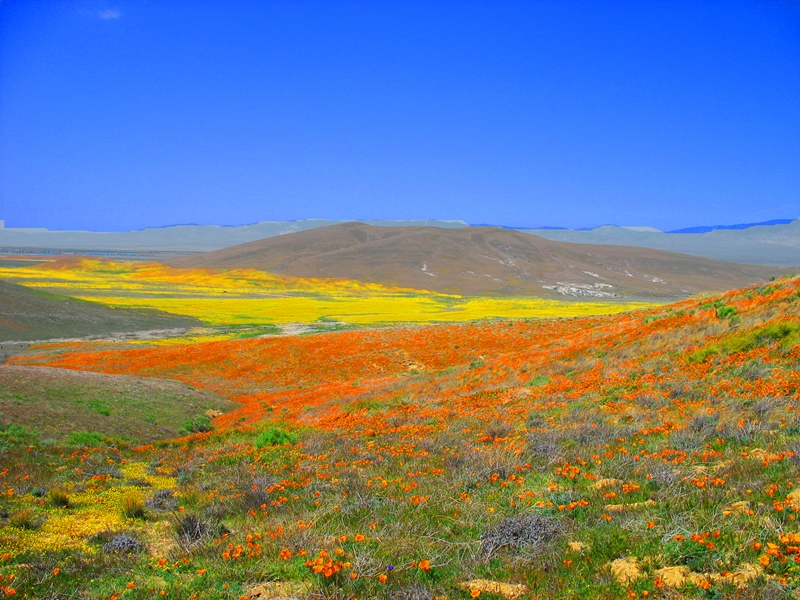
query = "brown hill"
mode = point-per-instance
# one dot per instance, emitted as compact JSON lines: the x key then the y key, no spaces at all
{"x":481,"y":261}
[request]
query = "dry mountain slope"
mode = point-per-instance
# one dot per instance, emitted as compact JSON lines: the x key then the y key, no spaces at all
{"x":481,"y":261}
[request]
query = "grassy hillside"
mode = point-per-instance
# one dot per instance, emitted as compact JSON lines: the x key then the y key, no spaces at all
{"x":27,"y":314}
{"x":54,"y":404}
{"x":645,"y":455}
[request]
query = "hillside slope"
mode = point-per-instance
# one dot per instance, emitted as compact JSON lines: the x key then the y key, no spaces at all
{"x":481,"y":261}
{"x":57,"y":402}
{"x":26,"y":314}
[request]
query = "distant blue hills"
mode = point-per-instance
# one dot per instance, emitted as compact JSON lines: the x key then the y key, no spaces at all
{"x":700,"y":229}
{"x":707,"y":228}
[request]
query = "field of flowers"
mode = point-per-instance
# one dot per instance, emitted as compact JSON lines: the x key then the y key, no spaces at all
{"x":648,"y":454}
{"x":251,"y":297}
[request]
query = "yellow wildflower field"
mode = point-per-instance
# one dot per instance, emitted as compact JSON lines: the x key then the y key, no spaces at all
{"x":92,"y":510}
{"x":250,"y":297}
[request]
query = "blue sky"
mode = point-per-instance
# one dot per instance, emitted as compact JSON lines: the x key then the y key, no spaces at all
{"x":138,"y":113}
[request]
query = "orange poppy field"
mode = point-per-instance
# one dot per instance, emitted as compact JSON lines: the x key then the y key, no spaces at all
{"x":646,"y":454}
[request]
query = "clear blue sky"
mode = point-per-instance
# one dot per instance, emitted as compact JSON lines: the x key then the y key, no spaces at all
{"x":136,"y":113}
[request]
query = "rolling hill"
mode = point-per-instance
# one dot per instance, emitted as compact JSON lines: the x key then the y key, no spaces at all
{"x":27,"y":314}
{"x":481,"y":261}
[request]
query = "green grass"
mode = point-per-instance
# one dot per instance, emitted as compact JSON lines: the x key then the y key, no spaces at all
{"x":55,"y":403}
{"x":785,"y":334}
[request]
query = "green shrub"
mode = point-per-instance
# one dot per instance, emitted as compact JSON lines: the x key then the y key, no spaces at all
{"x":274,"y":436}
{"x":766,"y":291}
{"x":25,"y":518}
{"x":722,"y":310}
{"x":133,"y":506}
{"x":60,"y":498}
{"x":197,"y":424}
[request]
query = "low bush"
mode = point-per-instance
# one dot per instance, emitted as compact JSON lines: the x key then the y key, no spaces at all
{"x":274,"y":436}
{"x":25,"y":518}
{"x":197,"y":424}
{"x":123,"y":543}
{"x":523,"y":532}
{"x":60,"y":498}
{"x":161,"y":500}
{"x":132,"y":506}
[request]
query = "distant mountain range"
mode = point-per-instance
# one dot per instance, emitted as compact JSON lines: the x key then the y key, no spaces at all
{"x":481,"y":261}
{"x":775,"y":243}
{"x":177,"y":238}
{"x":707,"y":228}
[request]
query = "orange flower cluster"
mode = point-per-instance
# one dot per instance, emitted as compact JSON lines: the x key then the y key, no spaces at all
{"x":326,"y":565}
